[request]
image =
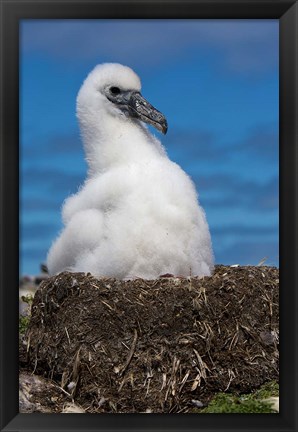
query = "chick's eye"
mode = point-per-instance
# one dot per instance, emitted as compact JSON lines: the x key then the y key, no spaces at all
{"x":115,"y":90}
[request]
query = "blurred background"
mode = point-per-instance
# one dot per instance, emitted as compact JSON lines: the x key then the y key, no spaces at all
{"x":216,"y":81}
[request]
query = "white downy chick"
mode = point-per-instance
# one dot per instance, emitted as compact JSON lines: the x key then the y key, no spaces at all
{"x":137,"y":214}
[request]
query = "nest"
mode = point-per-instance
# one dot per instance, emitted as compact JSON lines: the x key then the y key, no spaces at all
{"x":155,"y":346}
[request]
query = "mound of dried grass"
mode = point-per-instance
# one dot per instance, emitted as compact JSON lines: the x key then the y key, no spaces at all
{"x":137,"y":346}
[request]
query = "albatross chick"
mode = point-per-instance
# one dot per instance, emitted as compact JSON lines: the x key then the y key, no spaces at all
{"x":137,"y":214}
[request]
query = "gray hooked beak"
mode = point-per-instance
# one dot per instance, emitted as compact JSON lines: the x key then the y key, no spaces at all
{"x":140,"y":108}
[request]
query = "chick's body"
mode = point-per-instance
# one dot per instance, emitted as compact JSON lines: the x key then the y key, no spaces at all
{"x":137,"y":214}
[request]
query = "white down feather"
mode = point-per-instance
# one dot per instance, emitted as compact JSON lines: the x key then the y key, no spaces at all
{"x":137,"y":214}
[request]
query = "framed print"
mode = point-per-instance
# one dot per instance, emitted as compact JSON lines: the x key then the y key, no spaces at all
{"x":149,"y":205}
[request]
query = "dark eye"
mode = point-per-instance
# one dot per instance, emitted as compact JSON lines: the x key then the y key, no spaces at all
{"x":115,"y":90}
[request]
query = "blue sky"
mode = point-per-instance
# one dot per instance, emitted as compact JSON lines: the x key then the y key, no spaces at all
{"x":216,"y":81}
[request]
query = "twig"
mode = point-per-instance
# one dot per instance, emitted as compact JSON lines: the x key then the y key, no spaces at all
{"x":130,"y":354}
{"x":67,"y":334}
{"x":65,"y":392}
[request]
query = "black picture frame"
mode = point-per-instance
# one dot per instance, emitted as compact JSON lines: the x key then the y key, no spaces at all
{"x":12,"y":11}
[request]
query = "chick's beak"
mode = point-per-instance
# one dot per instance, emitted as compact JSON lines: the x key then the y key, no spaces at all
{"x":140,"y":108}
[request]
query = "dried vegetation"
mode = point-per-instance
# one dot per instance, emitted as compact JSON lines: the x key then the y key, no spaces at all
{"x":154,"y":346}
